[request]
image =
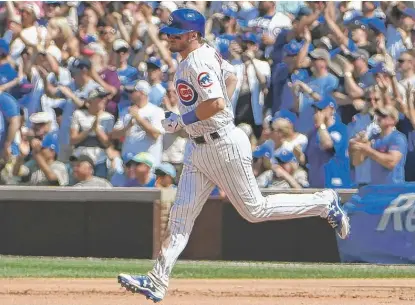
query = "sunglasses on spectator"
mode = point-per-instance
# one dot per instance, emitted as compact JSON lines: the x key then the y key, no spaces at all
{"x":122,"y":50}
{"x":402,"y":60}
{"x":53,"y":4}
{"x":107,"y":32}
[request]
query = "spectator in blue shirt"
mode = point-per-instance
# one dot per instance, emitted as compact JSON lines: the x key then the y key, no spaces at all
{"x":398,"y":35}
{"x":166,"y":173}
{"x":144,"y":176}
{"x":229,"y":33}
{"x":155,"y":77}
{"x":326,"y":154}
{"x":386,"y":150}
{"x":126,"y":73}
{"x":11,"y":115}
{"x":316,"y":88}
{"x":8,"y":75}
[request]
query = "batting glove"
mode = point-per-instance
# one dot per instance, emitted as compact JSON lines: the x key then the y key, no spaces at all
{"x":172,"y":123}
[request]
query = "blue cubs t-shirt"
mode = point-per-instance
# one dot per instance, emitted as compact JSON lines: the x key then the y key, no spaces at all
{"x":395,"y":141}
{"x":329,"y":168}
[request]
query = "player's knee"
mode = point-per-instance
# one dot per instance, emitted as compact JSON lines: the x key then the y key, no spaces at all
{"x":251,"y":216}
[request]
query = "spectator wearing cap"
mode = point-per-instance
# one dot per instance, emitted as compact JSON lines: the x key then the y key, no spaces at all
{"x":357,"y":79}
{"x":155,"y":78}
{"x":10,"y":116}
{"x":326,"y":154}
{"x":364,"y":125}
{"x":126,"y":73}
{"x":359,"y":33}
{"x":165,"y":173}
{"x":386,"y":150}
{"x":292,"y":69}
{"x":261,"y":164}
{"x":125,"y":175}
{"x":287,"y":173}
{"x":406,"y":67}
{"x":305,"y":18}
{"x":48,"y":69}
{"x":26,"y":33}
{"x":74,"y":97}
{"x":104,"y":74}
{"x":320,"y":85}
{"x":398,"y":34}
{"x":144,"y":176}
{"x":41,"y":124}
{"x":253,"y":76}
{"x":90,"y":129}
{"x":385,"y":78}
{"x":227,"y":31}
{"x":83,"y":172}
{"x":141,"y":127}
{"x":43,"y":169}
{"x":60,"y":32}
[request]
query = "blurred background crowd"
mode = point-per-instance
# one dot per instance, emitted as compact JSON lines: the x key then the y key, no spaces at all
{"x":325,"y":91}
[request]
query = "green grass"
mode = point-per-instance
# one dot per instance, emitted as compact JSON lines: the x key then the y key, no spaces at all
{"x":109,"y":268}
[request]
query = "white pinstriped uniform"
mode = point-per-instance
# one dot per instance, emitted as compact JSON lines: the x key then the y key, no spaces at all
{"x":226,"y":162}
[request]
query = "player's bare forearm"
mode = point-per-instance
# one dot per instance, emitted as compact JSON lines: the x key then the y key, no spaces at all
{"x":209,"y":108}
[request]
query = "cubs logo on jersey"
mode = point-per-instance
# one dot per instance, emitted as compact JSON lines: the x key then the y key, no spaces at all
{"x":186,"y":92}
{"x":204,"y":80}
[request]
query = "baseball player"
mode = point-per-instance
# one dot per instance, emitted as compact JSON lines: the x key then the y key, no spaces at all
{"x":217,"y":154}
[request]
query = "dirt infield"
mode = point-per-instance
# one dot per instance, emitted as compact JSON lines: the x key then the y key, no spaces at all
{"x":210,"y":292}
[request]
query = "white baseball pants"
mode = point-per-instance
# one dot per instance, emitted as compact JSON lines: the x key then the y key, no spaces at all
{"x":226,"y":162}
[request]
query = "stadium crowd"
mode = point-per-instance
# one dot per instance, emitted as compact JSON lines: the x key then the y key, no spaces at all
{"x":325,"y":91}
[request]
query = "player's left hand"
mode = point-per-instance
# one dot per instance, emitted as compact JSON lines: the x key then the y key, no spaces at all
{"x":172,"y":123}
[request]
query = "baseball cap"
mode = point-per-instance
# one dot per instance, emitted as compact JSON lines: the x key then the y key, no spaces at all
{"x":410,"y":12}
{"x":144,"y":158}
{"x":82,"y":158}
{"x":97,"y":93}
{"x":388,"y":110}
{"x":40,"y":118}
{"x":377,"y":25}
{"x":167,"y":169}
{"x":140,"y":85}
{"x":155,"y":62}
{"x":51,"y":141}
{"x":358,"y":23}
{"x":323,"y":43}
{"x":119,"y":44}
{"x":4,"y":47}
{"x":360,"y":54}
{"x":285,"y":114}
{"x":170,"y":5}
{"x":263,"y":150}
{"x":228,"y":12}
{"x":320,"y":53}
{"x":80,"y":63}
{"x":284,"y":156}
{"x":250,"y":37}
{"x":183,"y":21}
{"x":327,"y":101}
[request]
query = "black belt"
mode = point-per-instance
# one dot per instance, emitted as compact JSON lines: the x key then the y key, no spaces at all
{"x":201,"y":140}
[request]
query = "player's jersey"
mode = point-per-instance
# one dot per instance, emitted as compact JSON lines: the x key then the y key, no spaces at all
{"x":200,"y":77}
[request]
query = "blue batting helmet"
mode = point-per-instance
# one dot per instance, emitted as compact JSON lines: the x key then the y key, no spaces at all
{"x":183,"y":21}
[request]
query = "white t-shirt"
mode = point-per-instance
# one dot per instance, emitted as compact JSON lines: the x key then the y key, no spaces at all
{"x":83,"y":120}
{"x":136,"y":139}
